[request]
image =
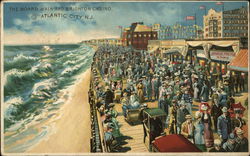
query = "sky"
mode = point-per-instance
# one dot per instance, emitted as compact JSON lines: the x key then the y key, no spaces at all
{"x":34,"y":23}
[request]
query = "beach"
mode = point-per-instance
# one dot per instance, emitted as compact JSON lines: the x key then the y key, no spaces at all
{"x":72,"y":130}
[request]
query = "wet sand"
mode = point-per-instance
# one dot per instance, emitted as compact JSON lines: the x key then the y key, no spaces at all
{"x":72,"y":130}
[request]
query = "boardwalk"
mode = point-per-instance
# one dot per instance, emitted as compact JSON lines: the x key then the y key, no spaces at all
{"x":132,"y":140}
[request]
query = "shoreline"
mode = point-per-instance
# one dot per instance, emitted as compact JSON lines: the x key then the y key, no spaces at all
{"x":74,"y":123}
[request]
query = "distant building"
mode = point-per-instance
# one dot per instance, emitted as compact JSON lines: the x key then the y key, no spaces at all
{"x":124,"y":36}
{"x":230,"y":23}
{"x":106,"y":41}
{"x":138,"y":35}
{"x":178,"y":31}
{"x":213,"y":24}
{"x":235,"y":23}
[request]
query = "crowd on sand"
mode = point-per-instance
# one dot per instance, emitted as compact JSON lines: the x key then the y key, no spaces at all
{"x":132,"y":78}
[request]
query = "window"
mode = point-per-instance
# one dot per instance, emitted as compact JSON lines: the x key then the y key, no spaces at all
{"x":145,"y":35}
{"x":139,"y":35}
{"x":154,"y":35}
{"x":135,"y":35}
{"x":149,"y":35}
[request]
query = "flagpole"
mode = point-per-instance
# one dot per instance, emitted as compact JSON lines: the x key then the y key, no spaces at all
{"x":195,"y":25}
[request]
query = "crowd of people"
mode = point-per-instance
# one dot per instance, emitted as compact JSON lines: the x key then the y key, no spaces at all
{"x":132,"y":78}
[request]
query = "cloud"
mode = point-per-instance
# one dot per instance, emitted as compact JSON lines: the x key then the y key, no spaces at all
{"x":31,"y":27}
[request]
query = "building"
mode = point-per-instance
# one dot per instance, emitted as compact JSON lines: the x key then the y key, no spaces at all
{"x":212,"y":24}
{"x":124,"y":36}
{"x":178,"y":31}
{"x":138,"y":35}
{"x":106,"y":41}
{"x":235,"y":23}
{"x":163,"y":32}
{"x":166,"y":48}
{"x":230,"y":23}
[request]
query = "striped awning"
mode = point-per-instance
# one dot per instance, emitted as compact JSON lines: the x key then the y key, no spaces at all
{"x":240,"y":61}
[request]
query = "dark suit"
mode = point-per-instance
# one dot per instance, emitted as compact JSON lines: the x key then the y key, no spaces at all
{"x":224,"y":126}
{"x":215,"y":113}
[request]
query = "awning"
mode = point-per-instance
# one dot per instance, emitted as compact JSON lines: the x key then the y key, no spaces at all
{"x":174,"y":143}
{"x":171,"y":51}
{"x":177,"y":49}
{"x":240,"y":61}
{"x":153,"y":49}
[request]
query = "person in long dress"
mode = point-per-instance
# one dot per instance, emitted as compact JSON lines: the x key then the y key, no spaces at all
{"x":208,"y":132}
{"x":140,"y":92}
{"x":196,"y":91}
{"x":199,"y":132}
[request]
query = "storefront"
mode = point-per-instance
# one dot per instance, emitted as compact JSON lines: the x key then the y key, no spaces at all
{"x":173,"y":56}
{"x":239,"y":67}
{"x":220,"y":59}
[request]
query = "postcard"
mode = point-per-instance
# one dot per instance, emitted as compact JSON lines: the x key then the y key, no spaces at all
{"x":134,"y":77}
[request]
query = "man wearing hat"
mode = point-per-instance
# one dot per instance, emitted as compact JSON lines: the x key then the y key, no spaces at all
{"x":112,"y":111}
{"x":148,"y":87}
{"x":181,"y":114}
{"x":186,"y":97}
{"x":164,"y":102}
{"x":155,"y":87}
{"x":109,"y":138}
{"x":204,"y":92}
{"x":215,"y":110}
{"x":242,"y":142}
{"x":230,"y":144}
{"x":109,"y":96}
{"x":187,"y":128}
{"x":217,"y":146}
{"x":173,"y":117}
{"x":223,"y":97}
{"x":177,"y":96}
{"x":224,"y":125}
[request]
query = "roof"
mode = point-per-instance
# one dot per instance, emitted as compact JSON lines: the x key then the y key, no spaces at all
{"x":240,"y":61}
{"x":155,"y":112}
{"x":174,"y":143}
{"x":142,"y":28}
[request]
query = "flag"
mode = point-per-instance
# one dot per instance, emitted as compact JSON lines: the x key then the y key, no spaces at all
{"x":202,"y":7}
{"x":190,"y":18}
{"x":219,"y":3}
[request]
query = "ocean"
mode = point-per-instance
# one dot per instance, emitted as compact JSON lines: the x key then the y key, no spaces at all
{"x":37,"y":81}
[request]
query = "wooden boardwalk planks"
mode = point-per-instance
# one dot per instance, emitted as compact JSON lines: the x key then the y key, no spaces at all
{"x":135,"y":132}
